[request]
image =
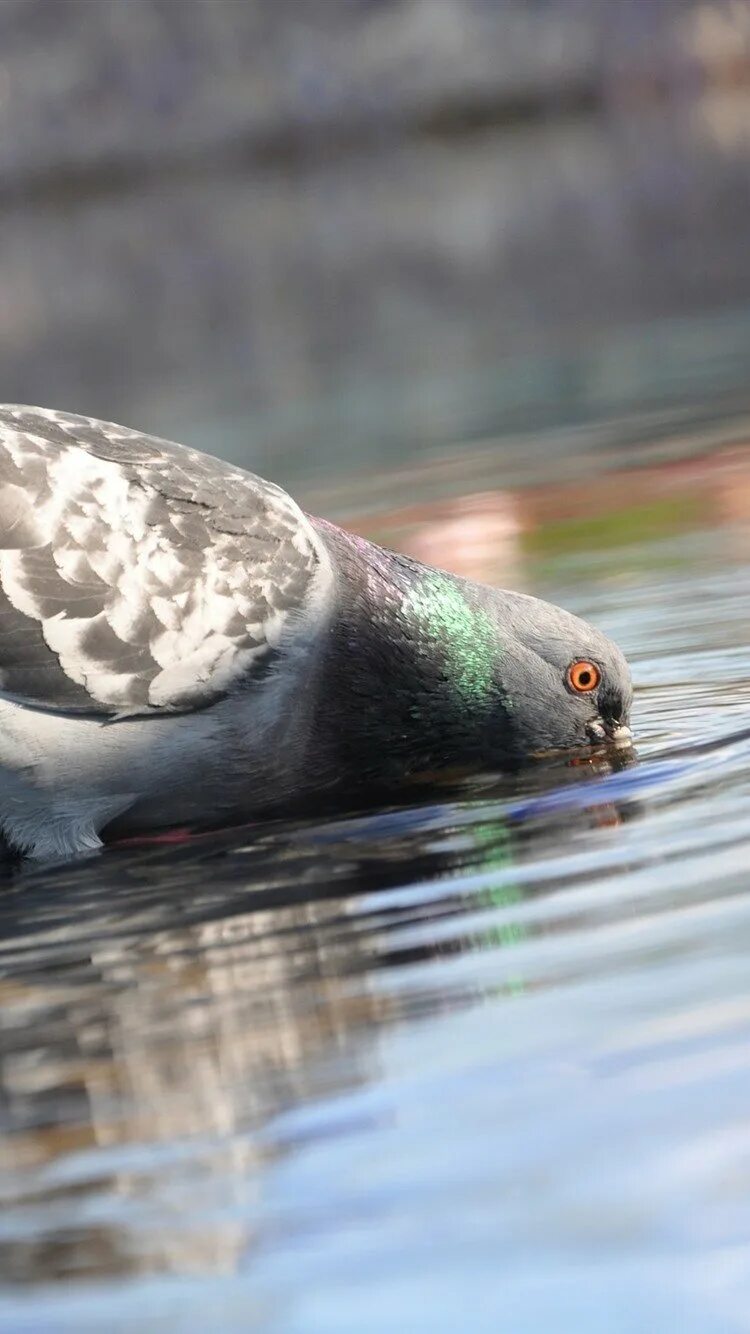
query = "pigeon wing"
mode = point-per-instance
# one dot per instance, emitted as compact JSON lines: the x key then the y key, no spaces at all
{"x":139,"y":576}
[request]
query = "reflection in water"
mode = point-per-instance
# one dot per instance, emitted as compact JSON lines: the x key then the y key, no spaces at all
{"x":155,"y":1053}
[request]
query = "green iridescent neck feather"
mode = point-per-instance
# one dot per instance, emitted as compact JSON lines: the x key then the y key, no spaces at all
{"x":465,"y":634}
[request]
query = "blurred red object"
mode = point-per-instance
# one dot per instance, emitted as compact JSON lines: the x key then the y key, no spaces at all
{"x":476,"y":536}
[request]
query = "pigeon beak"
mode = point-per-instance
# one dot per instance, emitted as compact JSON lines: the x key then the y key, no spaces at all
{"x":618,"y":732}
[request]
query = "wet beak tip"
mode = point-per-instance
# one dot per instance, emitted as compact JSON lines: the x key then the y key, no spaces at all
{"x":621,"y":733}
{"x":617,"y":732}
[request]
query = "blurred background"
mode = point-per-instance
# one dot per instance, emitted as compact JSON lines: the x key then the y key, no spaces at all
{"x":341,"y":237}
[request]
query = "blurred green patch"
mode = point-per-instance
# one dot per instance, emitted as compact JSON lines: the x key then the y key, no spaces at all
{"x":602,"y":531}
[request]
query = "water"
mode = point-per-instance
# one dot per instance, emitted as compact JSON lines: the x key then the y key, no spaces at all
{"x":482,"y":1063}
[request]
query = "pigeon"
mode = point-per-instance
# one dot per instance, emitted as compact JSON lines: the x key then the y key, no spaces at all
{"x":180,"y":644}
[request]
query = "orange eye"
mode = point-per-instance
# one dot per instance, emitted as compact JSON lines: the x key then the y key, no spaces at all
{"x":583,"y":676}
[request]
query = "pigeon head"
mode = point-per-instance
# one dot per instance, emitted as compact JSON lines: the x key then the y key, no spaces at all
{"x":427,"y":673}
{"x":526,"y":677}
{"x":561,"y":683}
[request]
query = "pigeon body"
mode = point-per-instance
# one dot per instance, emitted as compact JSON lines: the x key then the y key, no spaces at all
{"x":180,"y":643}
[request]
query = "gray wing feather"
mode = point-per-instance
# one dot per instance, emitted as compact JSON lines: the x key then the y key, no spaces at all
{"x":137,"y":575}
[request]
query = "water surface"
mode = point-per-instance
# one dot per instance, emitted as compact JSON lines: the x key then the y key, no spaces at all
{"x":480,"y":1063}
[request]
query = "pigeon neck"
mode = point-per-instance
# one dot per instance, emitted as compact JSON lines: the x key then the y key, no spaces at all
{"x":409,"y":680}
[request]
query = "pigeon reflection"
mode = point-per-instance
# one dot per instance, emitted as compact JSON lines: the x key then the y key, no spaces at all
{"x":163,"y":1007}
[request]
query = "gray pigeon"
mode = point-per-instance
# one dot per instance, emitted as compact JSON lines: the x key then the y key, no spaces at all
{"x":181,"y":644}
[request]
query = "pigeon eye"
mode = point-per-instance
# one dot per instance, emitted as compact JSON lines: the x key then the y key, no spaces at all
{"x":583,"y":676}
